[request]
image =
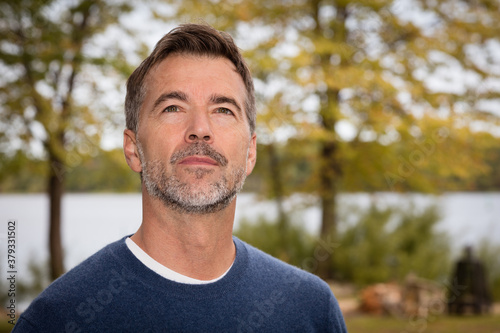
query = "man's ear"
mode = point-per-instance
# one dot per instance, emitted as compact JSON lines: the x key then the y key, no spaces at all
{"x":130,"y":150}
{"x":252,"y":154}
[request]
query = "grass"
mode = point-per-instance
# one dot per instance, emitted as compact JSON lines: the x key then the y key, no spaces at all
{"x":4,"y":325}
{"x":444,"y":324}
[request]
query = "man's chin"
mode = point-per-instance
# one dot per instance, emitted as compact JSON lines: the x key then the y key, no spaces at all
{"x":198,"y":205}
{"x":196,"y":173}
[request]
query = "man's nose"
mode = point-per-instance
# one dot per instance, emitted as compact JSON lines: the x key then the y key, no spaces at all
{"x":199,"y":128}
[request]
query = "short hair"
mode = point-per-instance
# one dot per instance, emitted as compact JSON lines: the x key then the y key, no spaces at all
{"x":195,"y":39}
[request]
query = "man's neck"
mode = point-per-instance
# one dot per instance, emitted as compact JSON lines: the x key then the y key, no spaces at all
{"x":199,"y":246}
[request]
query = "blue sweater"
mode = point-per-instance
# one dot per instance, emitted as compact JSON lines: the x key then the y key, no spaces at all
{"x":112,"y":291}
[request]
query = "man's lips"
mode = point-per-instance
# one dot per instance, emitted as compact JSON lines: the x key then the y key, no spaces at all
{"x":199,"y":153}
{"x":198,"y":160}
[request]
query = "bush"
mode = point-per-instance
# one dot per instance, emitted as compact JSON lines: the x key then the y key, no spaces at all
{"x":489,"y":255}
{"x":389,"y":243}
{"x":373,"y":245}
{"x":291,"y":244}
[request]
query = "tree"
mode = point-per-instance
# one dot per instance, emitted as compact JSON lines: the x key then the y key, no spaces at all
{"x":44,"y":55}
{"x":374,"y":79}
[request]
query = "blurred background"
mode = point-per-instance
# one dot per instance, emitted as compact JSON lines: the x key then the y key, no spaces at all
{"x":378,"y":132}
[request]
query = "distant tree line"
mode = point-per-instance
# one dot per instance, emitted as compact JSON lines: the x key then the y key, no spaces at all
{"x":107,"y":171}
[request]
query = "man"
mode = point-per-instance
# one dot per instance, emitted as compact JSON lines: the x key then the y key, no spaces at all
{"x":190,"y":114}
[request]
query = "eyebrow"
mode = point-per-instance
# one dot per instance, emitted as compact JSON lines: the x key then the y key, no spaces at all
{"x":170,"y":95}
{"x":221,"y":99}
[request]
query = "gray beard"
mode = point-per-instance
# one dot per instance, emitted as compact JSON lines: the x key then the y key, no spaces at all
{"x":186,"y":197}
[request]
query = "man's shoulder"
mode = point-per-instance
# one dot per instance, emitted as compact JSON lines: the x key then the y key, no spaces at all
{"x":93,"y":274}
{"x":88,"y":272}
{"x":275,"y":271}
{"x":299,"y":297}
{"x":98,"y":263}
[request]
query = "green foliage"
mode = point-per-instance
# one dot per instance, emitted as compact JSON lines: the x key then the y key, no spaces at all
{"x":489,"y":254}
{"x":20,"y":173}
{"x":298,"y":164}
{"x":292,"y":245}
{"x":106,"y":171}
{"x":389,"y":243}
{"x":27,"y":290}
{"x":39,"y":280}
{"x":373,"y":245}
{"x":431,"y":323}
{"x":489,"y":179}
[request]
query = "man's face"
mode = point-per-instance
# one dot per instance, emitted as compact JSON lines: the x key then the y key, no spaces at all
{"x":193,"y":138}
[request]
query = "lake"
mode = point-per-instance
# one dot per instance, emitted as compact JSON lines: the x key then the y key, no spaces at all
{"x":90,"y":221}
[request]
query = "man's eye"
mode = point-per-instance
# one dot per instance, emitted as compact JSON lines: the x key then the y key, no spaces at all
{"x":171,"y":108}
{"x":224,"y":110}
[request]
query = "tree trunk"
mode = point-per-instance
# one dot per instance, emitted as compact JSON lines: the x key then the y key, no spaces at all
{"x":277,"y":187}
{"x":278,"y":192}
{"x":55,"y":191}
{"x":330,"y":173}
{"x":331,"y":164}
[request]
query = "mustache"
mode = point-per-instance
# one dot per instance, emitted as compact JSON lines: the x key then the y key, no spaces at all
{"x":199,"y":148}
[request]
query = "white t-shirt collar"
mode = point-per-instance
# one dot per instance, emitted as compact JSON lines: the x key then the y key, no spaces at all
{"x":164,"y":271}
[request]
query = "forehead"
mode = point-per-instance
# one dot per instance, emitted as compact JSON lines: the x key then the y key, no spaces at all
{"x":197,"y":74}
